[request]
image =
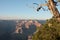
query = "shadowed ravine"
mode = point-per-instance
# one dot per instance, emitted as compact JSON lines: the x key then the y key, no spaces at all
{"x":8,"y":29}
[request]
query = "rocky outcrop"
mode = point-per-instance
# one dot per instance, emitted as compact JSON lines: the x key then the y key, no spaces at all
{"x":27,"y":24}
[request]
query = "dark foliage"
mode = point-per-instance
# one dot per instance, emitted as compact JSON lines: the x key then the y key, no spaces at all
{"x":49,"y":31}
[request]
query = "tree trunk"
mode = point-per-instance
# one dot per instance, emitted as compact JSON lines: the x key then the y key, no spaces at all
{"x":52,"y":7}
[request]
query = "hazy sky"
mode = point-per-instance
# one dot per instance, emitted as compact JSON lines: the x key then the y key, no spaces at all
{"x":22,"y":9}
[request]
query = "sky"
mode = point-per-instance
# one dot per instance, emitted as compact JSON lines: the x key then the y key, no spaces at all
{"x":22,"y":9}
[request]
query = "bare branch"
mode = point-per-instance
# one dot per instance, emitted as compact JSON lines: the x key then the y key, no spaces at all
{"x":40,"y":6}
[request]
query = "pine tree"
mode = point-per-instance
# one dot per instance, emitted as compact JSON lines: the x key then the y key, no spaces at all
{"x":51,"y":29}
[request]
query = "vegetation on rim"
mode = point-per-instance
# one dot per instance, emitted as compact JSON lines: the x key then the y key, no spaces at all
{"x":51,"y":29}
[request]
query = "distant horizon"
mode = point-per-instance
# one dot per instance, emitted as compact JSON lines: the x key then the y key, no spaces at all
{"x":23,"y":19}
{"x":16,"y":18}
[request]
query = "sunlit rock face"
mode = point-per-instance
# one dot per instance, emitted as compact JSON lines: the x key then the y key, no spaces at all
{"x":29,"y":37}
{"x":18,"y":29}
{"x":26,"y":24}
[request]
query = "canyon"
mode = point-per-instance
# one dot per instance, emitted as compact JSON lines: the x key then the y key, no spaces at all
{"x":18,"y":29}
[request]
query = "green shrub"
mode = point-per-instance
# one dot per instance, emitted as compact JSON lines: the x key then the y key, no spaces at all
{"x":47,"y":32}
